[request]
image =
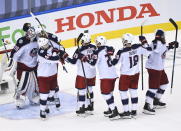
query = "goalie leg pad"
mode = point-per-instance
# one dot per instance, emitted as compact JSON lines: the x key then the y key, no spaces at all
{"x":28,"y":86}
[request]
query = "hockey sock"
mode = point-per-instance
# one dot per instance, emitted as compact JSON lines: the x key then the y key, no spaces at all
{"x":134,"y":98}
{"x":51,"y":94}
{"x":109,"y":100}
{"x":161,"y":91}
{"x":125,"y":100}
{"x":56,"y":92}
{"x":81,"y":97}
{"x":43,"y":101}
{"x":150,"y":94}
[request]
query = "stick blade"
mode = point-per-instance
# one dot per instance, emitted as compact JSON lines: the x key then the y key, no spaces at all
{"x":174,"y":23}
{"x":79,"y":37}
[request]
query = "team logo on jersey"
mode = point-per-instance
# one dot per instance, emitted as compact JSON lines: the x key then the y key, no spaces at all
{"x":34,"y":52}
{"x":20,"y":41}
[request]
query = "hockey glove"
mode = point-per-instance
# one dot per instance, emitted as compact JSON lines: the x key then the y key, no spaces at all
{"x":173,"y":44}
{"x":82,"y":57}
{"x":110,"y":51}
{"x":63,"y":57}
{"x":142,"y":39}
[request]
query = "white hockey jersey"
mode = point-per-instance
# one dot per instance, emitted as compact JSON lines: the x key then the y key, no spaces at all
{"x":27,"y":54}
{"x":129,"y":58}
{"x":157,"y":57}
{"x":90,"y":72}
{"x":102,"y":61}
{"x":48,"y":60}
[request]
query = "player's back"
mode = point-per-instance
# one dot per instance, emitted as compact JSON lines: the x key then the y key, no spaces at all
{"x":130,"y":58}
{"x":106,"y":70}
{"x":157,"y":57}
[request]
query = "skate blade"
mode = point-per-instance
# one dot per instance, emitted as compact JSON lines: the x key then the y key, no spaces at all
{"x":107,"y":115}
{"x":82,"y":115}
{"x":134,"y":117}
{"x":115,"y":118}
{"x":43,"y":119}
{"x":126,"y":117}
{"x":89,"y":113}
{"x":159,"y":107}
{"x":148,"y":112}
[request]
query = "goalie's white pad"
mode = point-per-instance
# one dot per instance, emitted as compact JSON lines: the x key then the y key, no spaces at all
{"x":20,"y":103}
{"x":35,"y":100}
{"x":3,"y":65}
{"x":28,"y":86}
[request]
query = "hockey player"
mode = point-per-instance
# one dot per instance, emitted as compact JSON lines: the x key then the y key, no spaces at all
{"x":84,"y":84}
{"x":107,"y":74}
{"x":52,"y":98}
{"x":24,"y":59}
{"x":158,"y":80}
{"x":48,"y":57}
{"x":129,"y":58}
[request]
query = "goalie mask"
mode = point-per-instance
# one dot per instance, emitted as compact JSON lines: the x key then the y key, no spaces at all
{"x":30,"y":31}
{"x":127,"y":39}
{"x":43,"y":43}
{"x":86,"y":39}
{"x":100,"y":41}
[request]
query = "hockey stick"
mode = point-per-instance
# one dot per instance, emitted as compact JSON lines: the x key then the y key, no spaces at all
{"x":85,"y":80}
{"x":173,"y":67}
{"x":142,"y":78}
{"x":46,"y":35}
{"x":4,"y":44}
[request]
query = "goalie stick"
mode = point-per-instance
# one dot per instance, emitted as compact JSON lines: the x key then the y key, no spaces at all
{"x":6,"y":51}
{"x":46,"y":35}
{"x":173,"y":67}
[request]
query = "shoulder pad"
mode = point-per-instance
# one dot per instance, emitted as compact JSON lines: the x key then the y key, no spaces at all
{"x":135,"y":46}
{"x":100,"y":49}
{"x":53,"y":37}
{"x":126,"y":49}
{"x":22,"y":41}
{"x":92,"y":46}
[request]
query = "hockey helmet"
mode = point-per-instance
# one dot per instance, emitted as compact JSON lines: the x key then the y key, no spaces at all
{"x":43,"y":42}
{"x":100,"y":41}
{"x":86,"y":39}
{"x":127,"y":39}
{"x":160,"y":33}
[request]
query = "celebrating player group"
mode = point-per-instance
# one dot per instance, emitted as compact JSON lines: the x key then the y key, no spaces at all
{"x":35,"y":58}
